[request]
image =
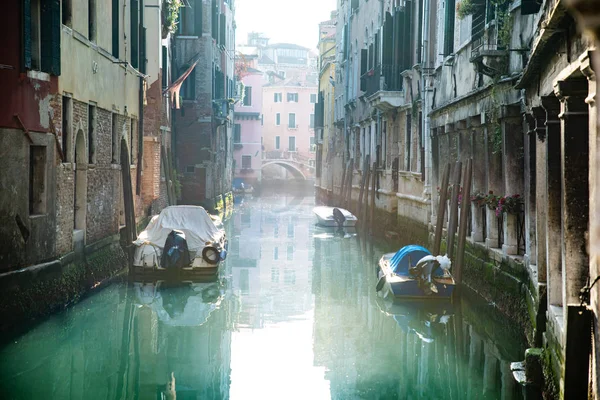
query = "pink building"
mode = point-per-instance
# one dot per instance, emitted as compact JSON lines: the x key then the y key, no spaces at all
{"x":247,"y":132}
{"x":289,"y":120}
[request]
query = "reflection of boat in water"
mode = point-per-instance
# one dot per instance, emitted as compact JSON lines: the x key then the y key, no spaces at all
{"x":328,"y":216}
{"x":181,"y":304}
{"x":181,"y":241}
{"x":323,"y":233}
{"x":424,"y":319}
{"x":413,"y":272}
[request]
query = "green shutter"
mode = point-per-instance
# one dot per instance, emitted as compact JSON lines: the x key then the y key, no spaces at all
{"x":134,"y":35}
{"x":215,"y":20}
{"x":198,"y":18}
{"x":115,"y":28}
{"x":26,"y":12}
{"x":50,"y":36}
{"x":449,"y":27}
{"x":222,"y":30}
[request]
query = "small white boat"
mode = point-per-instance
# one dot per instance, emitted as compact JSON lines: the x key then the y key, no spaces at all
{"x":181,"y":240}
{"x":325,"y":217}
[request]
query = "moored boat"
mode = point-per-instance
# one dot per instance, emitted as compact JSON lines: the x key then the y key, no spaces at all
{"x":181,"y":241}
{"x":328,"y":217}
{"x":414,"y":273}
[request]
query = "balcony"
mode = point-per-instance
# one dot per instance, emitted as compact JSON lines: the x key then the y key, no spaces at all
{"x":387,"y":92}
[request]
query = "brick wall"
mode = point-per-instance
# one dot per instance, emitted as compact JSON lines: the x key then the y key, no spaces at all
{"x":151,"y":176}
{"x":64,"y":208}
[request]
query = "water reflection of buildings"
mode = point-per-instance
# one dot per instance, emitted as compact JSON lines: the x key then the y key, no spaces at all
{"x":271,"y":260}
{"x":415,"y":355}
{"x":125,"y":343}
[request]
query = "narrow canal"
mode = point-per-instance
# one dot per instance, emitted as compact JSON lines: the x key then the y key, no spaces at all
{"x":294,"y":315}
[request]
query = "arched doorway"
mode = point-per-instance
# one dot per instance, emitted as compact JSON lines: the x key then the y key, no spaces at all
{"x":80,"y":189}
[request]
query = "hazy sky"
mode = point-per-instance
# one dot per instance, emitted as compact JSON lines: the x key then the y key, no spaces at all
{"x":288,"y":21}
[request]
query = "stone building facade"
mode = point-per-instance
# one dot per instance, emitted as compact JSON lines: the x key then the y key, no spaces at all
{"x":420,"y":85}
{"x":76,"y":91}
{"x":204,"y":123}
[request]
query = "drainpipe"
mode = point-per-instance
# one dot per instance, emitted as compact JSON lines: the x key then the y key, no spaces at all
{"x":425,"y":136}
{"x":142,"y":66}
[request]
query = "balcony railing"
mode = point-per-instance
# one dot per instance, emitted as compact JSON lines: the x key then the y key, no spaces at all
{"x":392,"y":80}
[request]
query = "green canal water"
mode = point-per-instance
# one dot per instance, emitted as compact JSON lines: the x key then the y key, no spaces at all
{"x":294,"y":315}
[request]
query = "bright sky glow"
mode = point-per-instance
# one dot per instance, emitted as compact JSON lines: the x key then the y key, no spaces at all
{"x":283,"y":21}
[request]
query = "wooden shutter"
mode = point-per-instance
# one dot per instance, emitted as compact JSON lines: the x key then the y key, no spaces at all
{"x":50,"y":36}
{"x":165,"y":61}
{"x":198,"y":18}
{"x":115,"y":28}
{"x":26,"y":40}
{"x":363,"y":69}
{"x":388,"y":39}
{"x":134,"y":32}
{"x":223,"y":30}
{"x":215,"y":20}
{"x":376,"y":54}
{"x":449,"y":28}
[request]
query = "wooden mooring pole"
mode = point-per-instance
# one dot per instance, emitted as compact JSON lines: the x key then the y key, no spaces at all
{"x":341,"y":198}
{"x":456,"y":174}
{"x":465,"y":208}
{"x":349,"y":179}
{"x":373,"y":194}
{"x":362,"y":189}
{"x":130,"y":228}
{"x":365,"y":213}
{"x":443,"y":198}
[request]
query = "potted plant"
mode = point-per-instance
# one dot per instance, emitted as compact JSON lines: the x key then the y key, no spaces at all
{"x":479,"y":199}
{"x":509,"y":204}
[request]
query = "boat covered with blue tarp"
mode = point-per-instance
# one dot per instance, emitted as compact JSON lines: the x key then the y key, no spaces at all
{"x":413,"y":272}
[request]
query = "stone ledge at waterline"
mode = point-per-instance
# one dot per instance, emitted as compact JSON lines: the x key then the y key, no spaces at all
{"x":503,"y":281}
{"x":37,"y":291}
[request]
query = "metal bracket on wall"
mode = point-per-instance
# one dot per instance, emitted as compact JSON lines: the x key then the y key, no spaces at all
{"x":25,"y":130}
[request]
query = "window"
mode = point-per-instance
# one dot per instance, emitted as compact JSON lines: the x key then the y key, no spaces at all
{"x":292,"y":97}
{"x":312,"y":121}
{"x":245,"y":281}
{"x":275,"y":275}
{"x":289,"y":275}
{"x":290,"y":230}
{"x":292,"y":120}
{"x":278,"y":119}
{"x":312,"y":144}
{"x":313,"y":98}
{"x":198,"y":18}
{"x":115,"y":139}
{"x":237,"y":133}
{"x":276,"y":231}
{"x":165,"y":71}
{"x":37,"y":180}
{"x":115,"y":27}
{"x":292,"y":143}
{"x":66,"y":127}
{"x":36,"y":56}
{"x":92,"y":20}
{"x":277,"y":97}
{"x":188,"y":88}
{"x":290,"y":255}
{"x":92,"y":134}
{"x":190,"y":169}
{"x":246,"y":162}
{"x":276,"y":253}
{"x":449,"y":27}
{"x":67,"y":11}
{"x":277,"y":142}
{"x":41,"y":31}
{"x":134,"y":32}
{"x":248,"y":96}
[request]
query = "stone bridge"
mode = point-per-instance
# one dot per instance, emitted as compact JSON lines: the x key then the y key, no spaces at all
{"x":300,"y":169}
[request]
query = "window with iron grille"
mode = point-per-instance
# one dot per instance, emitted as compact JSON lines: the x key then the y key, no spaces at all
{"x":246,"y":162}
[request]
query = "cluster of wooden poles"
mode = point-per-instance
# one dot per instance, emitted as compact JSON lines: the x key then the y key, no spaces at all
{"x":366,"y":206}
{"x":453,"y":222}
{"x":366,"y":209}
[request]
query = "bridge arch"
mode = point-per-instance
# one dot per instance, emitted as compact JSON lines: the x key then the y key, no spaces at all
{"x":293,"y":169}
